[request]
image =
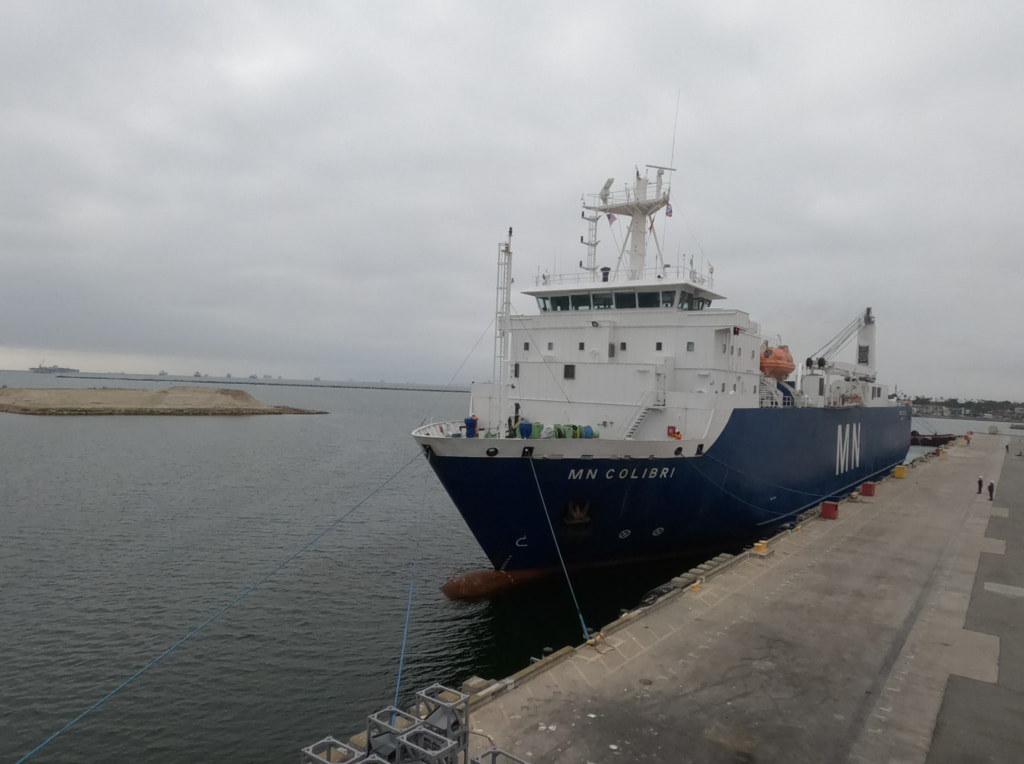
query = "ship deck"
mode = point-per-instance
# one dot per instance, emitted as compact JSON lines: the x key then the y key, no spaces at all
{"x":892,"y":633}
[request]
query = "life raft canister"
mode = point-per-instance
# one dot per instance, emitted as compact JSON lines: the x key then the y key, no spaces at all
{"x":777,"y":363}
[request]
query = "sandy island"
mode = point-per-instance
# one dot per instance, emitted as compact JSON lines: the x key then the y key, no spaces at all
{"x":174,"y":401}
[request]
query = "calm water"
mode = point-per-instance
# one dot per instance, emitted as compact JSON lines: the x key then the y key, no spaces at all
{"x":120,"y":535}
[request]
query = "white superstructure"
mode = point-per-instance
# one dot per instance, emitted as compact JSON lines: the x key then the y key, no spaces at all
{"x":637,"y":352}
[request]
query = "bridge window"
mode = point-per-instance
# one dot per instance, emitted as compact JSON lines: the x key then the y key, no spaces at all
{"x":544,"y":304}
{"x":560,"y":302}
{"x":648,"y":299}
{"x":625,"y":300}
{"x":685,"y":300}
{"x":602,"y":300}
{"x":668,"y":299}
{"x":580,"y":301}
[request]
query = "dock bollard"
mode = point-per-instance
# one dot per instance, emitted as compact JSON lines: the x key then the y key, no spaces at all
{"x":867,"y":489}
{"x":899,"y":471}
{"x":830,"y":510}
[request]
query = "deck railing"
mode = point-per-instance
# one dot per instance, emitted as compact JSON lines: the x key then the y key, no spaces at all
{"x":675,"y":273}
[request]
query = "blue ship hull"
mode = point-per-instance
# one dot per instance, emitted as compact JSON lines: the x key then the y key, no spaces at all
{"x":766,"y":467}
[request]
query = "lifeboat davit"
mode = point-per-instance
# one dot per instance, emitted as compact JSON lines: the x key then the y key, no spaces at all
{"x":777,"y":363}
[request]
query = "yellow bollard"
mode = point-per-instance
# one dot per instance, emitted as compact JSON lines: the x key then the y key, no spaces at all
{"x":899,"y":471}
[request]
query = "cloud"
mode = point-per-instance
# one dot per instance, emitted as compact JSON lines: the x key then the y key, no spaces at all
{"x":321,"y":189}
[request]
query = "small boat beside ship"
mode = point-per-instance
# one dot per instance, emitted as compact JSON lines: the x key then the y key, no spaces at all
{"x":932,"y":441}
{"x":631,"y":419}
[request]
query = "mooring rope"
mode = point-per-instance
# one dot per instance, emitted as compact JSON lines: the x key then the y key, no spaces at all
{"x":412,"y":582}
{"x":405,"y":633}
{"x":451,"y":380}
{"x":216,"y":615}
{"x":768,"y":483}
{"x":565,"y":570}
{"x":776,"y":516}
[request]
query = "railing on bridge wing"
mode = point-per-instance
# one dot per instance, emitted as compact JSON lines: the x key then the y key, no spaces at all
{"x":675,"y":273}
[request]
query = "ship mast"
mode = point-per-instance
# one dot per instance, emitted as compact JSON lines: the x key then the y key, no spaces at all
{"x":591,"y":241}
{"x":502,"y":320}
{"x":640,"y":208}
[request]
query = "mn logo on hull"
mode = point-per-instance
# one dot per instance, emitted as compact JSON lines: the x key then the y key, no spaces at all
{"x":847,"y":447}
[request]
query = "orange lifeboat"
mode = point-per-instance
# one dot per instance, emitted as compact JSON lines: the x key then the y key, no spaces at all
{"x":777,"y":363}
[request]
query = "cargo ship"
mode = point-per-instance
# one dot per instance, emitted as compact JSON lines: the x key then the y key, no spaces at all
{"x":630,"y":419}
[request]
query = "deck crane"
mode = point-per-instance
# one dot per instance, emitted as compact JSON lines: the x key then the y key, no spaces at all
{"x":864,"y":369}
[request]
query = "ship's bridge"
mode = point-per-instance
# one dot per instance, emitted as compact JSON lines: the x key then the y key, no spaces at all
{"x":556,"y":294}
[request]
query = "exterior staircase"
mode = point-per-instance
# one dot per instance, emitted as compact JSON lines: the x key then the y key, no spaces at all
{"x":637,"y":422}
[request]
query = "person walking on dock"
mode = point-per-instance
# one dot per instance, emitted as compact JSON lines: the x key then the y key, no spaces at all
{"x":991,"y":489}
{"x":981,"y":482}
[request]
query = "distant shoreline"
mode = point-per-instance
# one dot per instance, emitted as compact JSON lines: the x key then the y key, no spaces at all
{"x":959,"y":418}
{"x":112,"y":401}
{"x":270,"y":382}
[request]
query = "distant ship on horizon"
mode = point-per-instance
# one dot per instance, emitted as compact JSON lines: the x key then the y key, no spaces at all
{"x":40,"y":369}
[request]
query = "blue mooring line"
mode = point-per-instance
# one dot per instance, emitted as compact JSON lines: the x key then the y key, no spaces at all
{"x":217,"y":615}
{"x":586,"y":632}
{"x":412,"y":585}
{"x":405,"y":634}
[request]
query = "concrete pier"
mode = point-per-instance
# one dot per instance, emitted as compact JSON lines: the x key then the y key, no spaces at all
{"x":894,"y":633}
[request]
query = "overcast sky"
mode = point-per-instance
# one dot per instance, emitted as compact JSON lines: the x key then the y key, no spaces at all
{"x":319,"y":188}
